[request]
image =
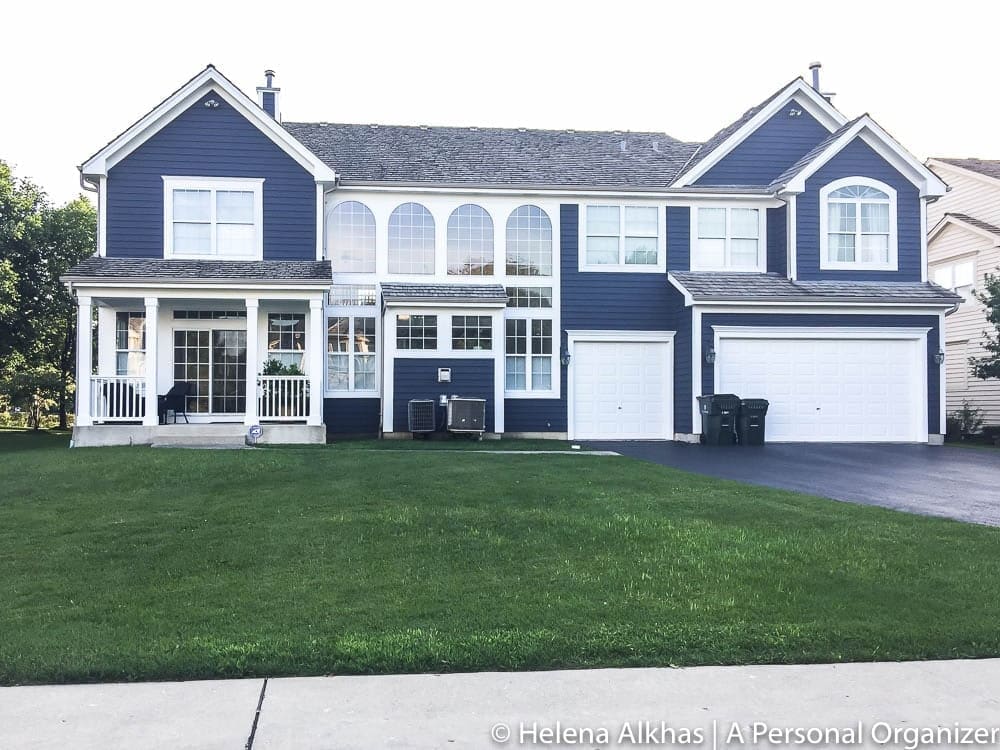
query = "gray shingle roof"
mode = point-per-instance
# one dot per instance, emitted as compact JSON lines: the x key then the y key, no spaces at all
{"x":707,"y":287}
{"x":494,"y":156}
{"x":491,"y":293}
{"x":287,"y":271}
{"x":978,"y":223}
{"x":988,"y":167}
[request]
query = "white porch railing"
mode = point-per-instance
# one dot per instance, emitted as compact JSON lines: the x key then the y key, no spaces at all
{"x":282,"y":397}
{"x":117,"y":398}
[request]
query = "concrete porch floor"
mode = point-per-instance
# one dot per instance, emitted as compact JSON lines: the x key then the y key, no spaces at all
{"x":224,"y":434}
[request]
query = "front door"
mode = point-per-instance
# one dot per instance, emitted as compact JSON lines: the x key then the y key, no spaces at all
{"x":215,"y":363}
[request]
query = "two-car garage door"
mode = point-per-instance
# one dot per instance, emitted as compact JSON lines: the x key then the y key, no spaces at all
{"x":830,"y":389}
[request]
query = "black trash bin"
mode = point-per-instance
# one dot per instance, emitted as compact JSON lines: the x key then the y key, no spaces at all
{"x":718,"y":418}
{"x":750,"y":424}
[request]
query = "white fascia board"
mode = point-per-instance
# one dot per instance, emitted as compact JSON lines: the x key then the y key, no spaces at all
{"x":948,"y":221}
{"x":443,"y":304}
{"x":688,"y":299}
{"x":820,"y":332}
{"x":667,"y":197}
{"x":804,"y":94}
{"x":817,"y":308}
{"x":885,"y":146}
{"x":573,"y":336}
{"x":165,"y":112}
{"x":938,"y":164}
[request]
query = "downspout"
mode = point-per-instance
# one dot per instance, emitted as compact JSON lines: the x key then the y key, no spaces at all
{"x":92,"y":187}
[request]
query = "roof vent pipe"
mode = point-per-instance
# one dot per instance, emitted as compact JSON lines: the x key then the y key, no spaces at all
{"x":267,"y":96}
{"x":814,"y":67}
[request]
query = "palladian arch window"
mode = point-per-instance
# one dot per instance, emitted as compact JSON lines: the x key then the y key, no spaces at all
{"x":470,"y":241}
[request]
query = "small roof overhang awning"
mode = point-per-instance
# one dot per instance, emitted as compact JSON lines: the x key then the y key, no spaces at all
{"x":444,"y":295}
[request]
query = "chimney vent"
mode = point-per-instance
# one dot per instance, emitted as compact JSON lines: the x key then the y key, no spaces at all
{"x":267,"y":96}
{"x":814,"y":67}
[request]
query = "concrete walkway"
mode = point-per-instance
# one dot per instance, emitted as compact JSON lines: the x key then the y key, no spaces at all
{"x":493,"y":710}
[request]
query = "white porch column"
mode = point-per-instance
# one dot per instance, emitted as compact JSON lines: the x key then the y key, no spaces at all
{"x":84,"y":360}
{"x":315,"y":349}
{"x":250,"y":415}
{"x":151,"y":417}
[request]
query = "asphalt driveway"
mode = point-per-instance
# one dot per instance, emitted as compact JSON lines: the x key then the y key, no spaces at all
{"x":959,"y":483}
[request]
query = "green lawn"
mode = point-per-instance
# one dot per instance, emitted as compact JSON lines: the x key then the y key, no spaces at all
{"x":135,"y":563}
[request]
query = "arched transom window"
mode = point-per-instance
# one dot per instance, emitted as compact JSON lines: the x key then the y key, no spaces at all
{"x":350,"y":238}
{"x":470,"y":241}
{"x":859,"y":229}
{"x":411,"y":240}
{"x":529,"y":242}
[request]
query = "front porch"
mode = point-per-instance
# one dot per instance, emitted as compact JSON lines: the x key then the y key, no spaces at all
{"x":179,"y":363}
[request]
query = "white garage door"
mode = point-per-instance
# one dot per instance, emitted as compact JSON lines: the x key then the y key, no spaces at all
{"x":830,"y":389}
{"x":622,"y":390}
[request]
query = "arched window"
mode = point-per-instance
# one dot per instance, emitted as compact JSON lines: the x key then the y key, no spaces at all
{"x":411,"y":239}
{"x":470,"y":241}
{"x":350,"y":238}
{"x":529,"y":242}
{"x":858,"y":224}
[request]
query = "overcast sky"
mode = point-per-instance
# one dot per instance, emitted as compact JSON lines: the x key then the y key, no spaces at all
{"x":76,"y":76}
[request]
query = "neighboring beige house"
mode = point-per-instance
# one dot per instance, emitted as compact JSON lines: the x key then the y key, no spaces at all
{"x":963,"y":245}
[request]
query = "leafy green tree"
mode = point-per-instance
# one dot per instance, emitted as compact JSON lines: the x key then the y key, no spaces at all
{"x":33,"y":388}
{"x":988,"y":366}
{"x":8,"y":289}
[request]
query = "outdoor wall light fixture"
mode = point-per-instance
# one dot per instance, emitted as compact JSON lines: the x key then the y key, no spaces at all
{"x":939,"y":357}
{"x":564,"y":357}
{"x":710,"y":356}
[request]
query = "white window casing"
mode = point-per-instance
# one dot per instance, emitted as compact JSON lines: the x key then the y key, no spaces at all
{"x":213,"y":217}
{"x":729,"y":238}
{"x":353,"y":345}
{"x":853,"y":236}
{"x":622,"y":237}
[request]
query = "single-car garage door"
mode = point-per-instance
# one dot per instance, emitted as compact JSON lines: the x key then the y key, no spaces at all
{"x":621,"y":390}
{"x":830,"y":389}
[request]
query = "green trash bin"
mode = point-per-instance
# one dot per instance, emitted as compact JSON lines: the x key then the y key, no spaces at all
{"x":718,"y":418}
{"x":751,"y":421}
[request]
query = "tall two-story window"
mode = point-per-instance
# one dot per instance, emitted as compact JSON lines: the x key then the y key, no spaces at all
{"x":411,"y":240}
{"x":213,"y":218}
{"x":528,"y":364}
{"x":858,"y":225}
{"x":350,"y":238}
{"x":529,"y":242}
{"x":627,"y":237}
{"x":130,"y":343}
{"x":727,"y":239}
{"x":470,"y":241}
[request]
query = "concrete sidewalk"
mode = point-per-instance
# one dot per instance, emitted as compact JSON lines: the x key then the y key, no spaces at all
{"x":518,"y":709}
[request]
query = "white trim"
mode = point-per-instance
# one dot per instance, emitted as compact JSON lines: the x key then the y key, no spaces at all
{"x":825,"y":263}
{"x":791,"y":229}
{"x":621,"y":267}
{"x":798,"y":91}
{"x":964,"y":171}
{"x":353,"y":312}
{"x":942,"y":377}
{"x":500,"y":370}
{"x":214,"y":184}
{"x":152,"y":325}
{"x":315,"y":357}
{"x":320,"y":221}
{"x":928,"y":183}
{"x":760,"y":267}
{"x":947,"y":221}
{"x":252,"y":359}
{"x":666,"y":197}
{"x":672,"y":280}
{"x":820,"y":308}
{"x":696,"y":363}
{"x":923,"y":240}
{"x":166,"y":111}
{"x":589,"y":336}
{"x":84,"y":360}
{"x":102,"y":216}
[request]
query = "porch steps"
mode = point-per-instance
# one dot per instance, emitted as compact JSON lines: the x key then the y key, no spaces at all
{"x":200,"y":436}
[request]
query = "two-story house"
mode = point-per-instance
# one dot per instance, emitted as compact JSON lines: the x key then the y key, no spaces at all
{"x":584,"y":284}
{"x":962,"y":248}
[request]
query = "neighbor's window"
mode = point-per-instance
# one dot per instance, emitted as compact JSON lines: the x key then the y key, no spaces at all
{"x":213,"y":218}
{"x":350,"y":238}
{"x":528,"y":364}
{"x":411,"y":240}
{"x":959,"y":276}
{"x":727,"y":239}
{"x":622,"y":236}
{"x":471,"y":332}
{"x":130,"y":343}
{"x":286,"y":337}
{"x":416,"y":331}
{"x":529,"y":242}
{"x":350,"y":357}
{"x":470,"y":241}
{"x":529,"y":296}
{"x":858,"y":217}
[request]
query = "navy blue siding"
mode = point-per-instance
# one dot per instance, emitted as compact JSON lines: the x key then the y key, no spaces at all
{"x":859,"y":159}
{"x":268,"y":102}
{"x":682,"y":366}
{"x":835,"y":320}
{"x":351,"y":416}
{"x":210,"y":142}
{"x":678,"y":238}
{"x":535,"y":415}
{"x":417,"y":378}
{"x":769,"y":150}
{"x":777,"y":240}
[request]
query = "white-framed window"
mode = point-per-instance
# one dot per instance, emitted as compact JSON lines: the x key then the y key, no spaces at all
{"x":213,"y":217}
{"x":411,"y":240}
{"x":470,"y":241}
{"x":857,"y":217}
{"x":130,"y":343}
{"x":528,"y":364}
{"x":353,"y":295}
{"x":624,"y":238}
{"x":529,"y":242}
{"x":286,"y":337}
{"x":728,"y":238}
{"x":350,"y":238}
{"x":351,"y":346}
{"x":416,"y":332}
{"x":471,"y":332}
{"x":529,"y":296}
{"x":959,"y":276}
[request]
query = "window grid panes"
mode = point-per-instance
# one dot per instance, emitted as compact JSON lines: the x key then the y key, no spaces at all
{"x":229,"y":372}
{"x":416,"y":332}
{"x":622,"y":235}
{"x":209,"y":314}
{"x":529,"y":296}
{"x":470,"y":241}
{"x":528,"y":347}
{"x":130,"y":343}
{"x":858,"y":226}
{"x":471,"y":332}
{"x":529,"y":242}
{"x":353,"y":295}
{"x":411,"y":240}
{"x":351,"y":351}
{"x":728,"y":238}
{"x":286,"y":337}
{"x":213,"y":222}
{"x":351,"y":238}
{"x":192,"y":364}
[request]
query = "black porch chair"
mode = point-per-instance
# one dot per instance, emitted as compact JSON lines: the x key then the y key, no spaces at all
{"x":175,"y":400}
{"x":124,"y":402}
